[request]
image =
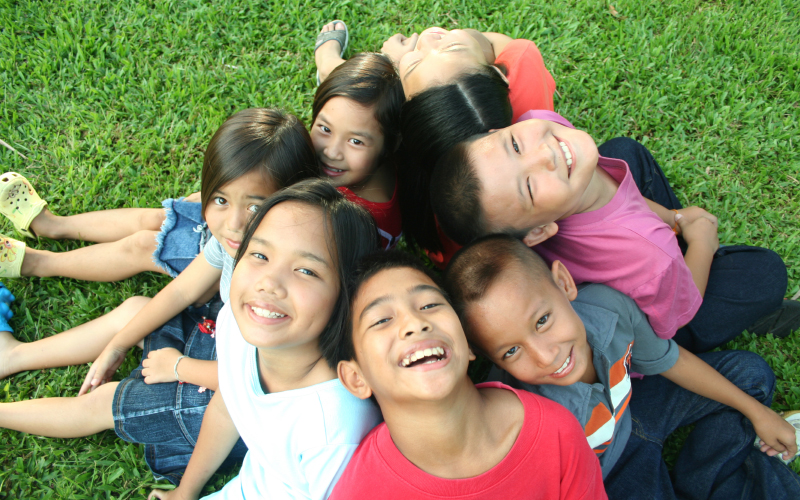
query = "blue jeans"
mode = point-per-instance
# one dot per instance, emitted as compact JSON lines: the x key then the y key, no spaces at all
{"x":166,"y":418}
{"x":744,"y":284}
{"x":718,"y":460}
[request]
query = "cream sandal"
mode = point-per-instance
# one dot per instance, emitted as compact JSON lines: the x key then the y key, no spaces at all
{"x":19,"y":202}
{"x":11,"y":254}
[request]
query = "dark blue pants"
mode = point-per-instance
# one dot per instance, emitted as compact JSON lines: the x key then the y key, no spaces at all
{"x":745,"y":283}
{"x":718,"y":460}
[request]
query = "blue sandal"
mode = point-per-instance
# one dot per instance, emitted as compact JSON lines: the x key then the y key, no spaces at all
{"x":6,"y":298}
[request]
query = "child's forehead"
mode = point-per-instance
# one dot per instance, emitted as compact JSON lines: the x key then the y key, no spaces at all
{"x":394,"y":282}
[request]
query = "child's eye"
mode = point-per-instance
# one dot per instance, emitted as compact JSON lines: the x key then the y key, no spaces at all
{"x":357,"y":142}
{"x":259,"y":256}
{"x":514,"y":144}
{"x":380,"y":322}
{"x":325,"y":129}
{"x":511,"y":352}
{"x":542,"y":321}
{"x":307,"y":272}
{"x":219,"y":200}
{"x":428,"y":306}
{"x":252,"y":208}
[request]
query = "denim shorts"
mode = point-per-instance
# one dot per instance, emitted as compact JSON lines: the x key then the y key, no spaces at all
{"x":183,"y":235}
{"x":166,"y":418}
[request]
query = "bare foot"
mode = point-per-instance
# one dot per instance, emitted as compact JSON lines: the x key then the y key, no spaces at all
{"x":7,"y":345}
{"x":328,"y":55}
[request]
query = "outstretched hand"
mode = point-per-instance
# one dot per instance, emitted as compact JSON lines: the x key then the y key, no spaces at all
{"x":159,"y":367}
{"x":776,"y":435}
{"x":102,"y":369}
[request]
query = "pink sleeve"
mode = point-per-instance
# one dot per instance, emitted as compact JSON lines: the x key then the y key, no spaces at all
{"x":670,"y":299}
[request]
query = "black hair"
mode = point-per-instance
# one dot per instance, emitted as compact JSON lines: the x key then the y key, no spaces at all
{"x":351,"y":234}
{"x":454,"y":195}
{"x":368,"y":267}
{"x":432,"y":123}
{"x":370,"y":80}
{"x":477,"y":266}
{"x":265,"y":139}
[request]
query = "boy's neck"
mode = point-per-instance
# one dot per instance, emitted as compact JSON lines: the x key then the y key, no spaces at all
{"x":284,"y":370}
{"x":601,"y":189}
{"x":378,"y":187}
{"x":464,"y":435}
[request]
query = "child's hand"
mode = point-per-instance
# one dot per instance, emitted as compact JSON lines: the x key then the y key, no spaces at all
{"x":399,"y":45}
{"x":159,"y":367}
{"x":176,"y":494}
{"x":776,"y":434}
{"x":701,"y":231}
{"x":102,"y":369}
{"x":690,"y":214}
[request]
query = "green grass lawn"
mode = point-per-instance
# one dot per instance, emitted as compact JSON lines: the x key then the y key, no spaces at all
{"x":112,"y":104}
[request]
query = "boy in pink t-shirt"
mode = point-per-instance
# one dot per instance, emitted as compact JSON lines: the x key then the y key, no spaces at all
{"x":544,"y":182}
{"x":443,"y":437}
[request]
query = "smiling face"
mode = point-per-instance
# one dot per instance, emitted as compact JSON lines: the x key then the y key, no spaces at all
{"x":408,"y":340}
{"x":284,"y":288}
{"x":438,"y":57}
{"x":232,"y":205}
{"x":348,"y":140}
{"x":527,"y":327}
{"x":533,"y":173}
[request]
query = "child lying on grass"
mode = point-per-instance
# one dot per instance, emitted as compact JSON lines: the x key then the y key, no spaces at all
{"x":518,"y":313}
{"x":543,"y":181}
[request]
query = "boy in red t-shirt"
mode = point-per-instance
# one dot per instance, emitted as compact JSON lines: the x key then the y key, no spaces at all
{"x":444,"y":437}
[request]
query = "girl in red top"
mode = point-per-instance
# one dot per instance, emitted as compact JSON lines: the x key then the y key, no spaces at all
{"x":355,"y":134}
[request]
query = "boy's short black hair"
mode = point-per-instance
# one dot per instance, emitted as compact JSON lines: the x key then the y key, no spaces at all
{"x":351,"y":233}
{"x":368,"y":267}
{"x":477,"y":266}
{"x":455,"y":195}
{"x":369,"y":79}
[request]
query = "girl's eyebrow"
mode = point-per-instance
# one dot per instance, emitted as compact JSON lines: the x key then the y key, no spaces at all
{"x":301,"y":253}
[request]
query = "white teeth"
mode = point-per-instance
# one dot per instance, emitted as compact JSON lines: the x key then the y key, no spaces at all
{"x":567,"y":154}
{"x":266,"y":313}
{"x":438,"y":351}
{"x":566,"y":362}
{"x":562,"y":143}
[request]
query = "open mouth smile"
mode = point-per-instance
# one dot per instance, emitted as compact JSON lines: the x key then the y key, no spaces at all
{"x":424,"y":357}
{"x":567,"y":155}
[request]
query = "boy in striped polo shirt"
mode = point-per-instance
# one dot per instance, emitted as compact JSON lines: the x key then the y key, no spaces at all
{"x":578,"y":346}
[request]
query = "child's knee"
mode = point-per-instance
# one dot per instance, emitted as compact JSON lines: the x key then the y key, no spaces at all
{"x":152,"y":219}
{"x":131,"y":306}
{"x":749,"y":372}
{"x":142,"y":243}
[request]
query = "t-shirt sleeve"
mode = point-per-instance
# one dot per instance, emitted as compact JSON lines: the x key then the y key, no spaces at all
{"x":531,"y":86}
{"x":581,"y":476}
{"x":323,"y":466}
{"x":214,"y":253}
{"x":670,"y":299}
{"x":651,"y":355}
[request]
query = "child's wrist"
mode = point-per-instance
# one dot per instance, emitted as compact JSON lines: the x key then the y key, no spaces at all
{"x":175,"y":368}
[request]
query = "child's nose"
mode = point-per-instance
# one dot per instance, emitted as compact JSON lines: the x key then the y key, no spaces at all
{"x":333,"y":150}
{"x":542,"y":354}
{"x":271,"y":283}
{"x":237,"y":219}
{"x":412,"y":324}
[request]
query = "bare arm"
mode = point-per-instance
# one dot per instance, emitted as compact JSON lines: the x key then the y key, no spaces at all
{"x":183,"y":291}
{"x":498,"y":41}
{"x":159,"y":368}
{"x":693,"y":374}
{"x":217,"y":438}
{"x":702,"y":242}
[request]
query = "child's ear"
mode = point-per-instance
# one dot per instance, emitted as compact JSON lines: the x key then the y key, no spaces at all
{"x":564,"y":280}
{"x":540,"y":234}
{"x":351,"y":378}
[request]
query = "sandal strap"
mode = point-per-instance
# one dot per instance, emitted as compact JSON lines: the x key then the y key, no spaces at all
{"x":340,"y":36}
